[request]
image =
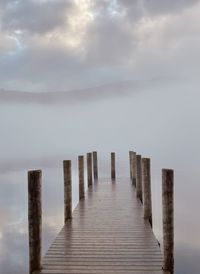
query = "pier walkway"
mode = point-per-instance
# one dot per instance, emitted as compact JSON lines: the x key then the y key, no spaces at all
{"x":106,"y":235}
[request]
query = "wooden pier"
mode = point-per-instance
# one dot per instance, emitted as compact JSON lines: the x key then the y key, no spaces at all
{"x":109,"y":231}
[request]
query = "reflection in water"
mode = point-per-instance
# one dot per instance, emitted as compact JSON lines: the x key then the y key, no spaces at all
{"x":157,"y":123}
{"x":13,"y":215}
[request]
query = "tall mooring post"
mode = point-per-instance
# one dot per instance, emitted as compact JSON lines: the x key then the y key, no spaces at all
{"x":146,"y":182}
{"x":67,"y":190}
{"x":95,"y":165}
{"x":89,"y":169}
{"x":81,"y":177}
{"x":134,"y":168}
{"x":131,"y":164}
{"x":35,"y":219}
{"x":139,"y":177}
{"x":168,"y":218}
{"x":113,"y":172}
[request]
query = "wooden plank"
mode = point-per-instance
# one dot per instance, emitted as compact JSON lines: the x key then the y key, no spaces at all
{"x":107,"y":234}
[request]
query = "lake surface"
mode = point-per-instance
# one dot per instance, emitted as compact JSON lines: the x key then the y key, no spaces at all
{"x":161,"y":125}
{"x":13,"y":214}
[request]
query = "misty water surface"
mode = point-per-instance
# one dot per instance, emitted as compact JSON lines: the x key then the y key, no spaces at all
{"x":163,"y":126}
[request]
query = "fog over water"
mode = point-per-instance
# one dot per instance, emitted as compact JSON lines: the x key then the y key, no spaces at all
{"x":159,"y":124}
{"x":84,"y":75}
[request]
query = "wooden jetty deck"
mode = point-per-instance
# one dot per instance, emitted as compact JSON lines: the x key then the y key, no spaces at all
{"x":107,"y":234}
{"x":110,"y":230}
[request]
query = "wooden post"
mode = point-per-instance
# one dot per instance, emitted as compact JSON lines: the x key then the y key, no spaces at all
{"x":95,"y":165}
{"x":131,"y":163}
{"x":67,"y":190}
{"x":113,"y":173}
{"x":146,"y":182}
{"x":168,"y":218}
{"x":89,"y":168}
{"x":134,"y":168}
{"x":34,"y":219}
{"x":81,"y":177}
{"x":139,"y":177}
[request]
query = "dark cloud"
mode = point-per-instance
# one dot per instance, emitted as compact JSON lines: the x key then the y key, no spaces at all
{"x":35,"y":17}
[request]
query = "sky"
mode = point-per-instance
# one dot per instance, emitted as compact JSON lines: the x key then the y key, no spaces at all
{"x":116,"y":73}
{"x":65,"y":45}
{"x":84,"y":75}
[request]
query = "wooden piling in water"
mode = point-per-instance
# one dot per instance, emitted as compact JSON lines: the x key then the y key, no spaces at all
{"x":130,"y":163}
{"x":67,"y":190}
{"x":134,"y":168}
{"x":113,"y":172}
{"x":35,"y":219}
{"x":81,"y":177}
{"x":139,"y":177}
{"x":146,"y":185}
{"x":95,"y":165}
{"x":89,"y":169}
{"x":168,"y":218}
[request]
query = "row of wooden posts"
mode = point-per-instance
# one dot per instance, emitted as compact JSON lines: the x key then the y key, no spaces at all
{"x":140,"y":174}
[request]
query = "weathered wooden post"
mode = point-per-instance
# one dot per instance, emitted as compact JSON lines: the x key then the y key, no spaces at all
{"x":89,"y":169}
{"x":95,"y":165}
{"x":134,"y":168}
{"x":168,"y":218}
{"x":131,"y":163}
{"x":81,"y":177}
{"x":113,"y":172}
{"x":67,"y":190}
{"x":139,"y":177}
{"x":146,"y":182}
{"x":35,"y":219}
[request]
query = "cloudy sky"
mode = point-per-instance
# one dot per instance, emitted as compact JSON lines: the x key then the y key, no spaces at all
{"x":62,"y":45}
{"x":105,"y":75}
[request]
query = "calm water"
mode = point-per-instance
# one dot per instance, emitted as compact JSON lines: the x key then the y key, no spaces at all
{"x":161,"y":125}
{"x":13,"y":214}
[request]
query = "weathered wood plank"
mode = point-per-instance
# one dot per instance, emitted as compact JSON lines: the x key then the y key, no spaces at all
{"x":106,"y":235}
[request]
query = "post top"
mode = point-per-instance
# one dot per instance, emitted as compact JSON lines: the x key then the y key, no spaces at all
{"x":36,"y":171}
{"x":167,"y":170}
{"x":66,"y":163}
{"x":146,"y":159}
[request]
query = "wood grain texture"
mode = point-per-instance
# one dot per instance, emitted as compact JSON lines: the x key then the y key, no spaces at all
{"x":168,"y":218}
{"x":95,"y":165}
{"x":107,"y":235}
{"x":35,"y":219}
{"x":67,"y":190}
{"x":139,"y":177}
{"x":89,"y":169}
{"x":134,"y":168}
{"x":113,"y":170}
{"x":81,"y":177}
{"x":146,"y":186}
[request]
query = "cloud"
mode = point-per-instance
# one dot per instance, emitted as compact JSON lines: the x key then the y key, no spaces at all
{"x":109,"y":41}
{"x":35,"y":16}
{"x":87,"y":95}
{"x":142,"y":8}
{"x":7,"y":43}
{"x":69,"y":45}
{"x":74,"y":96}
